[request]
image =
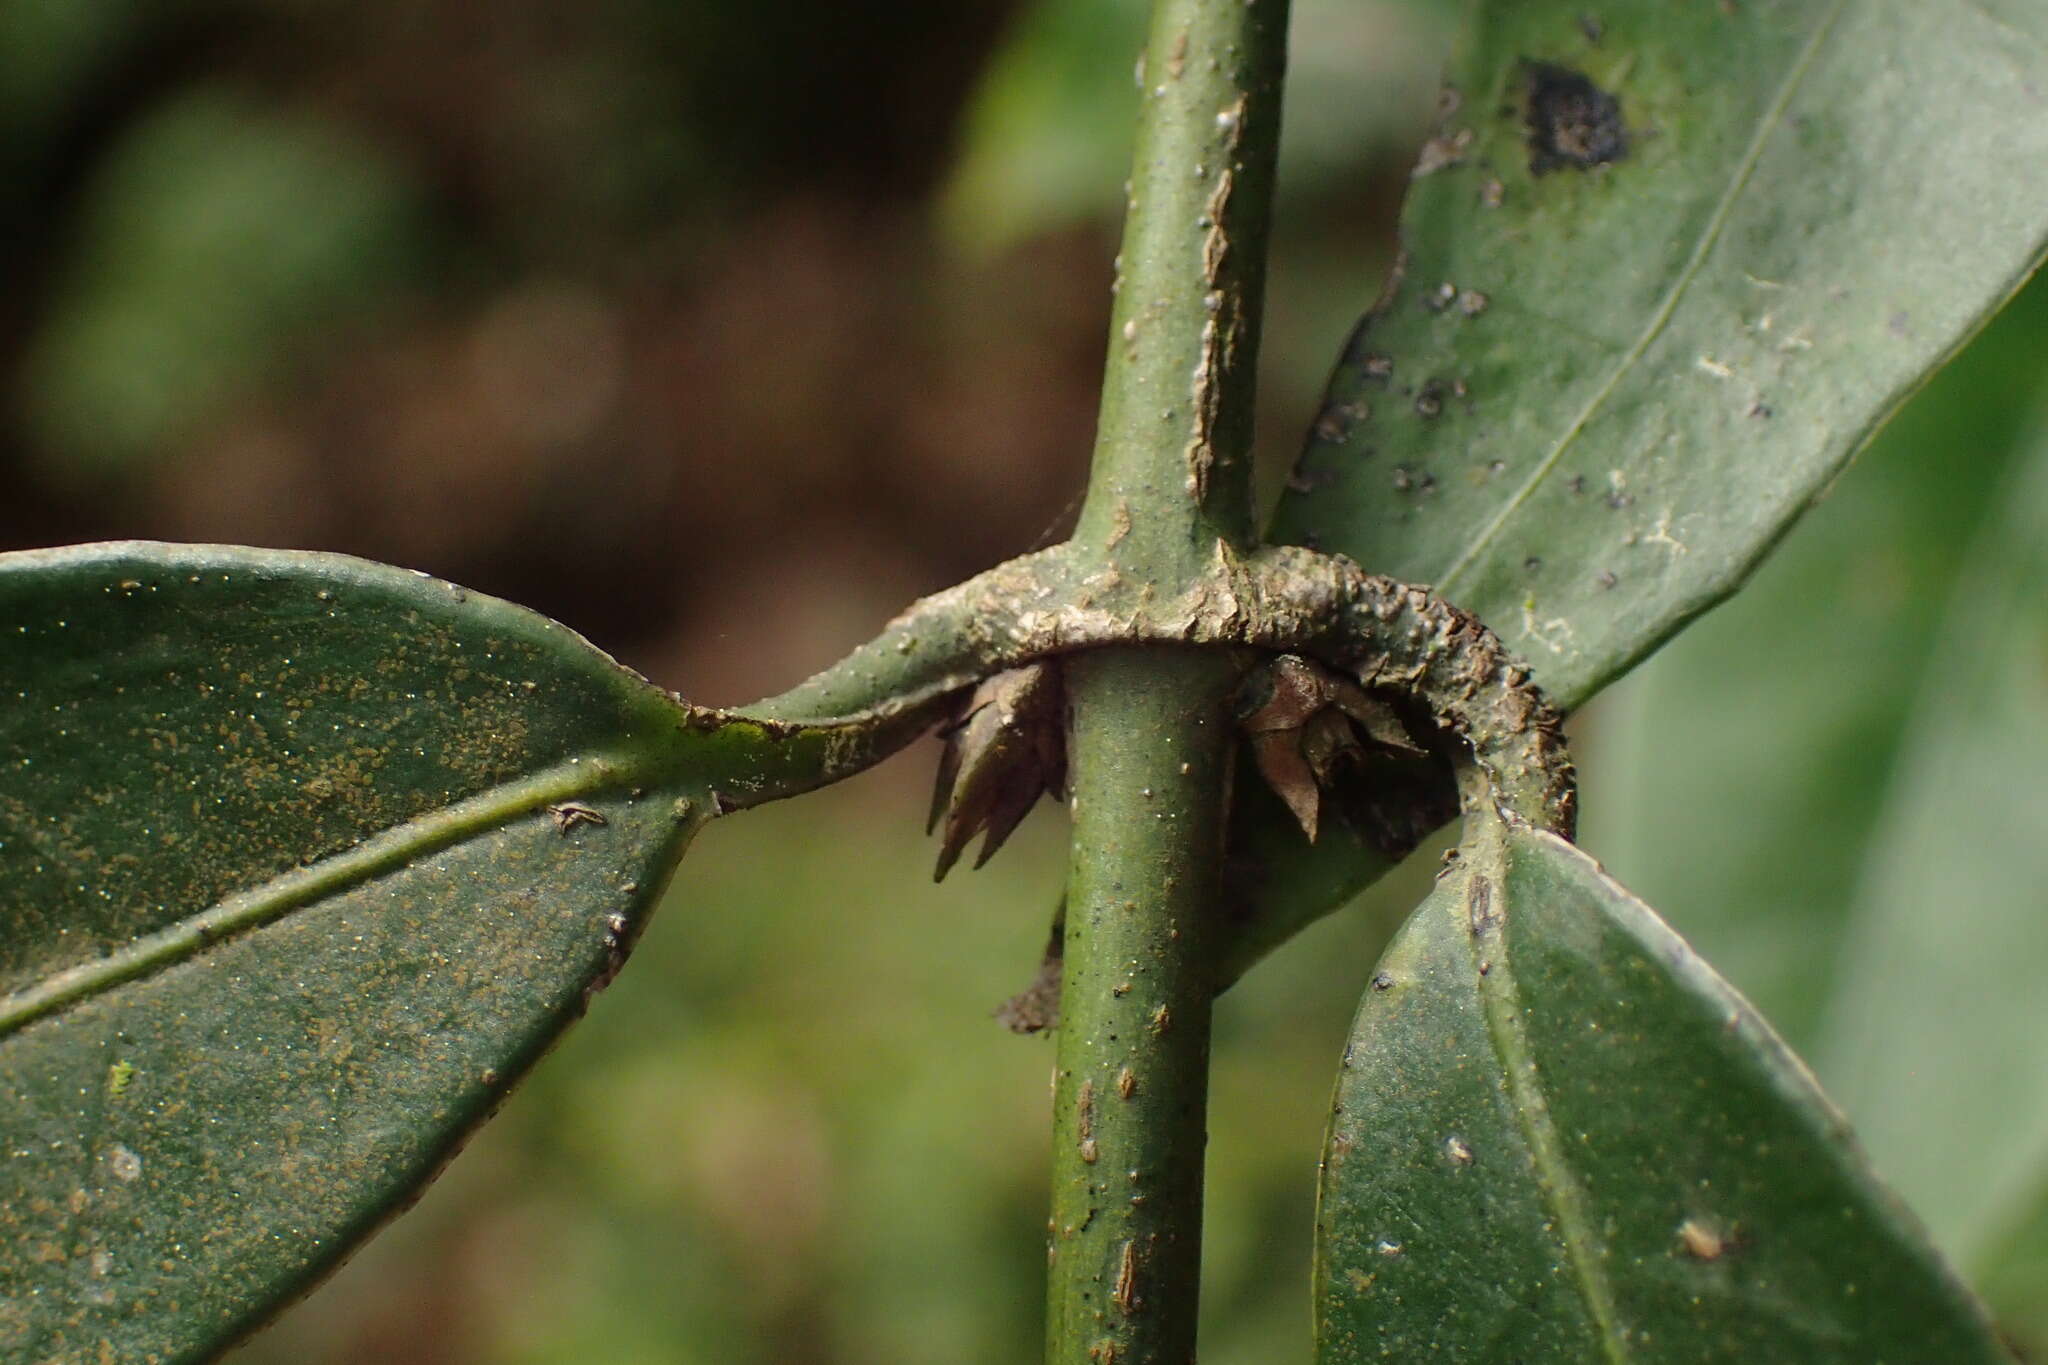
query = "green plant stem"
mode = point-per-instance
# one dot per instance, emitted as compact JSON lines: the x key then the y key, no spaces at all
{"x":1172,"y":462}
{"x":1151,"y":742}
{"x":1150,"y":761}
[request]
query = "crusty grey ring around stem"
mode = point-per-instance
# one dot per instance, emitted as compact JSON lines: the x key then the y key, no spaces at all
{"x":1387,"y":634}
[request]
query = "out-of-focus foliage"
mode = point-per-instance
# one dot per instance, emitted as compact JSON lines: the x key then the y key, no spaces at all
{"x":1046,"y":140}
{"x":543,"y":297}
{"x":47,"y":52}
{"x":641,"y":314}
{"x":661,"y":307}
{"x":216,"y":235}
{"x":1827,"y":786}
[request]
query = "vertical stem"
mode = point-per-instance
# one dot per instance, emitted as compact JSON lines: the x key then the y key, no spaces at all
{"x":1150,"y":771}
{"x":1151,"y":742}
{"x":1171,"y":471}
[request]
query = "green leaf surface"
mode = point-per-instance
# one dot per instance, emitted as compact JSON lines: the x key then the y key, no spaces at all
{"x":1836,"y":848}
{"x":1736,"y":780}
{"x":1597,"y":395}
{"x":1667,"y":268}
{"x":1559,"y":1136}
{"x":303,"y":861}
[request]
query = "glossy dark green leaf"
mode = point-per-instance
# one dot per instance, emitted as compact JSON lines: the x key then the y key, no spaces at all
{"x":303,"y":861}
{"x":1560,"y":1137}
{"x":1667,"y":267}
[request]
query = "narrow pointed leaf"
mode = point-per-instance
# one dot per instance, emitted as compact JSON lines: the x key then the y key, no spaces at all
{"x":303,"y":861}
{"x":1635,"y":340}
{"x":1559,"y":1137}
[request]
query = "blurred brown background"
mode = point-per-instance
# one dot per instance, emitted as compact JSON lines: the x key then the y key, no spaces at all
{"x":718,"y":332}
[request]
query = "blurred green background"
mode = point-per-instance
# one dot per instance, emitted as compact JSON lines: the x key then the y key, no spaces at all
{"x":720,"y":332}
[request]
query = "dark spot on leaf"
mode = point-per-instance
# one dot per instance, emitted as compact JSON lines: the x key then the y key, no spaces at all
{"x":1577,"y":483}
{"x":1381,"y":981}
{"x":1760,"y":410}
{"x":1591,"y":26}
{"x":1532,"y":564}
{"x":1441,"y":297}
{"x":1430,"y":402}
{"x":1571,"y":121}
{"x":1607,"y":578}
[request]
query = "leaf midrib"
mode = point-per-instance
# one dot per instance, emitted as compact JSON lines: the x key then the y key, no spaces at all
{"x":1500,"y":1001}
{"x":253,"y":907}
{"x":1448,"y":581}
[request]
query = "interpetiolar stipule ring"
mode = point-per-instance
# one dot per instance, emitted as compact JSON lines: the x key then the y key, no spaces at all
{"x":1391,"y":636}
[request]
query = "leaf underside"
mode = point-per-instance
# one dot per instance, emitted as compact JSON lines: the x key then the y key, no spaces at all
{"x":1611,"y":374}
{"x":303,"y":861}
{"x":1865,"y":861}
{"x":1667,"y":267}
{"x":1560,"y":1137}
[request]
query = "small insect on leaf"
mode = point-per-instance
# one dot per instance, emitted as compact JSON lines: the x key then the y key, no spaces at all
{"x":570,"y":814}
{"x":1703,"y":1241}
